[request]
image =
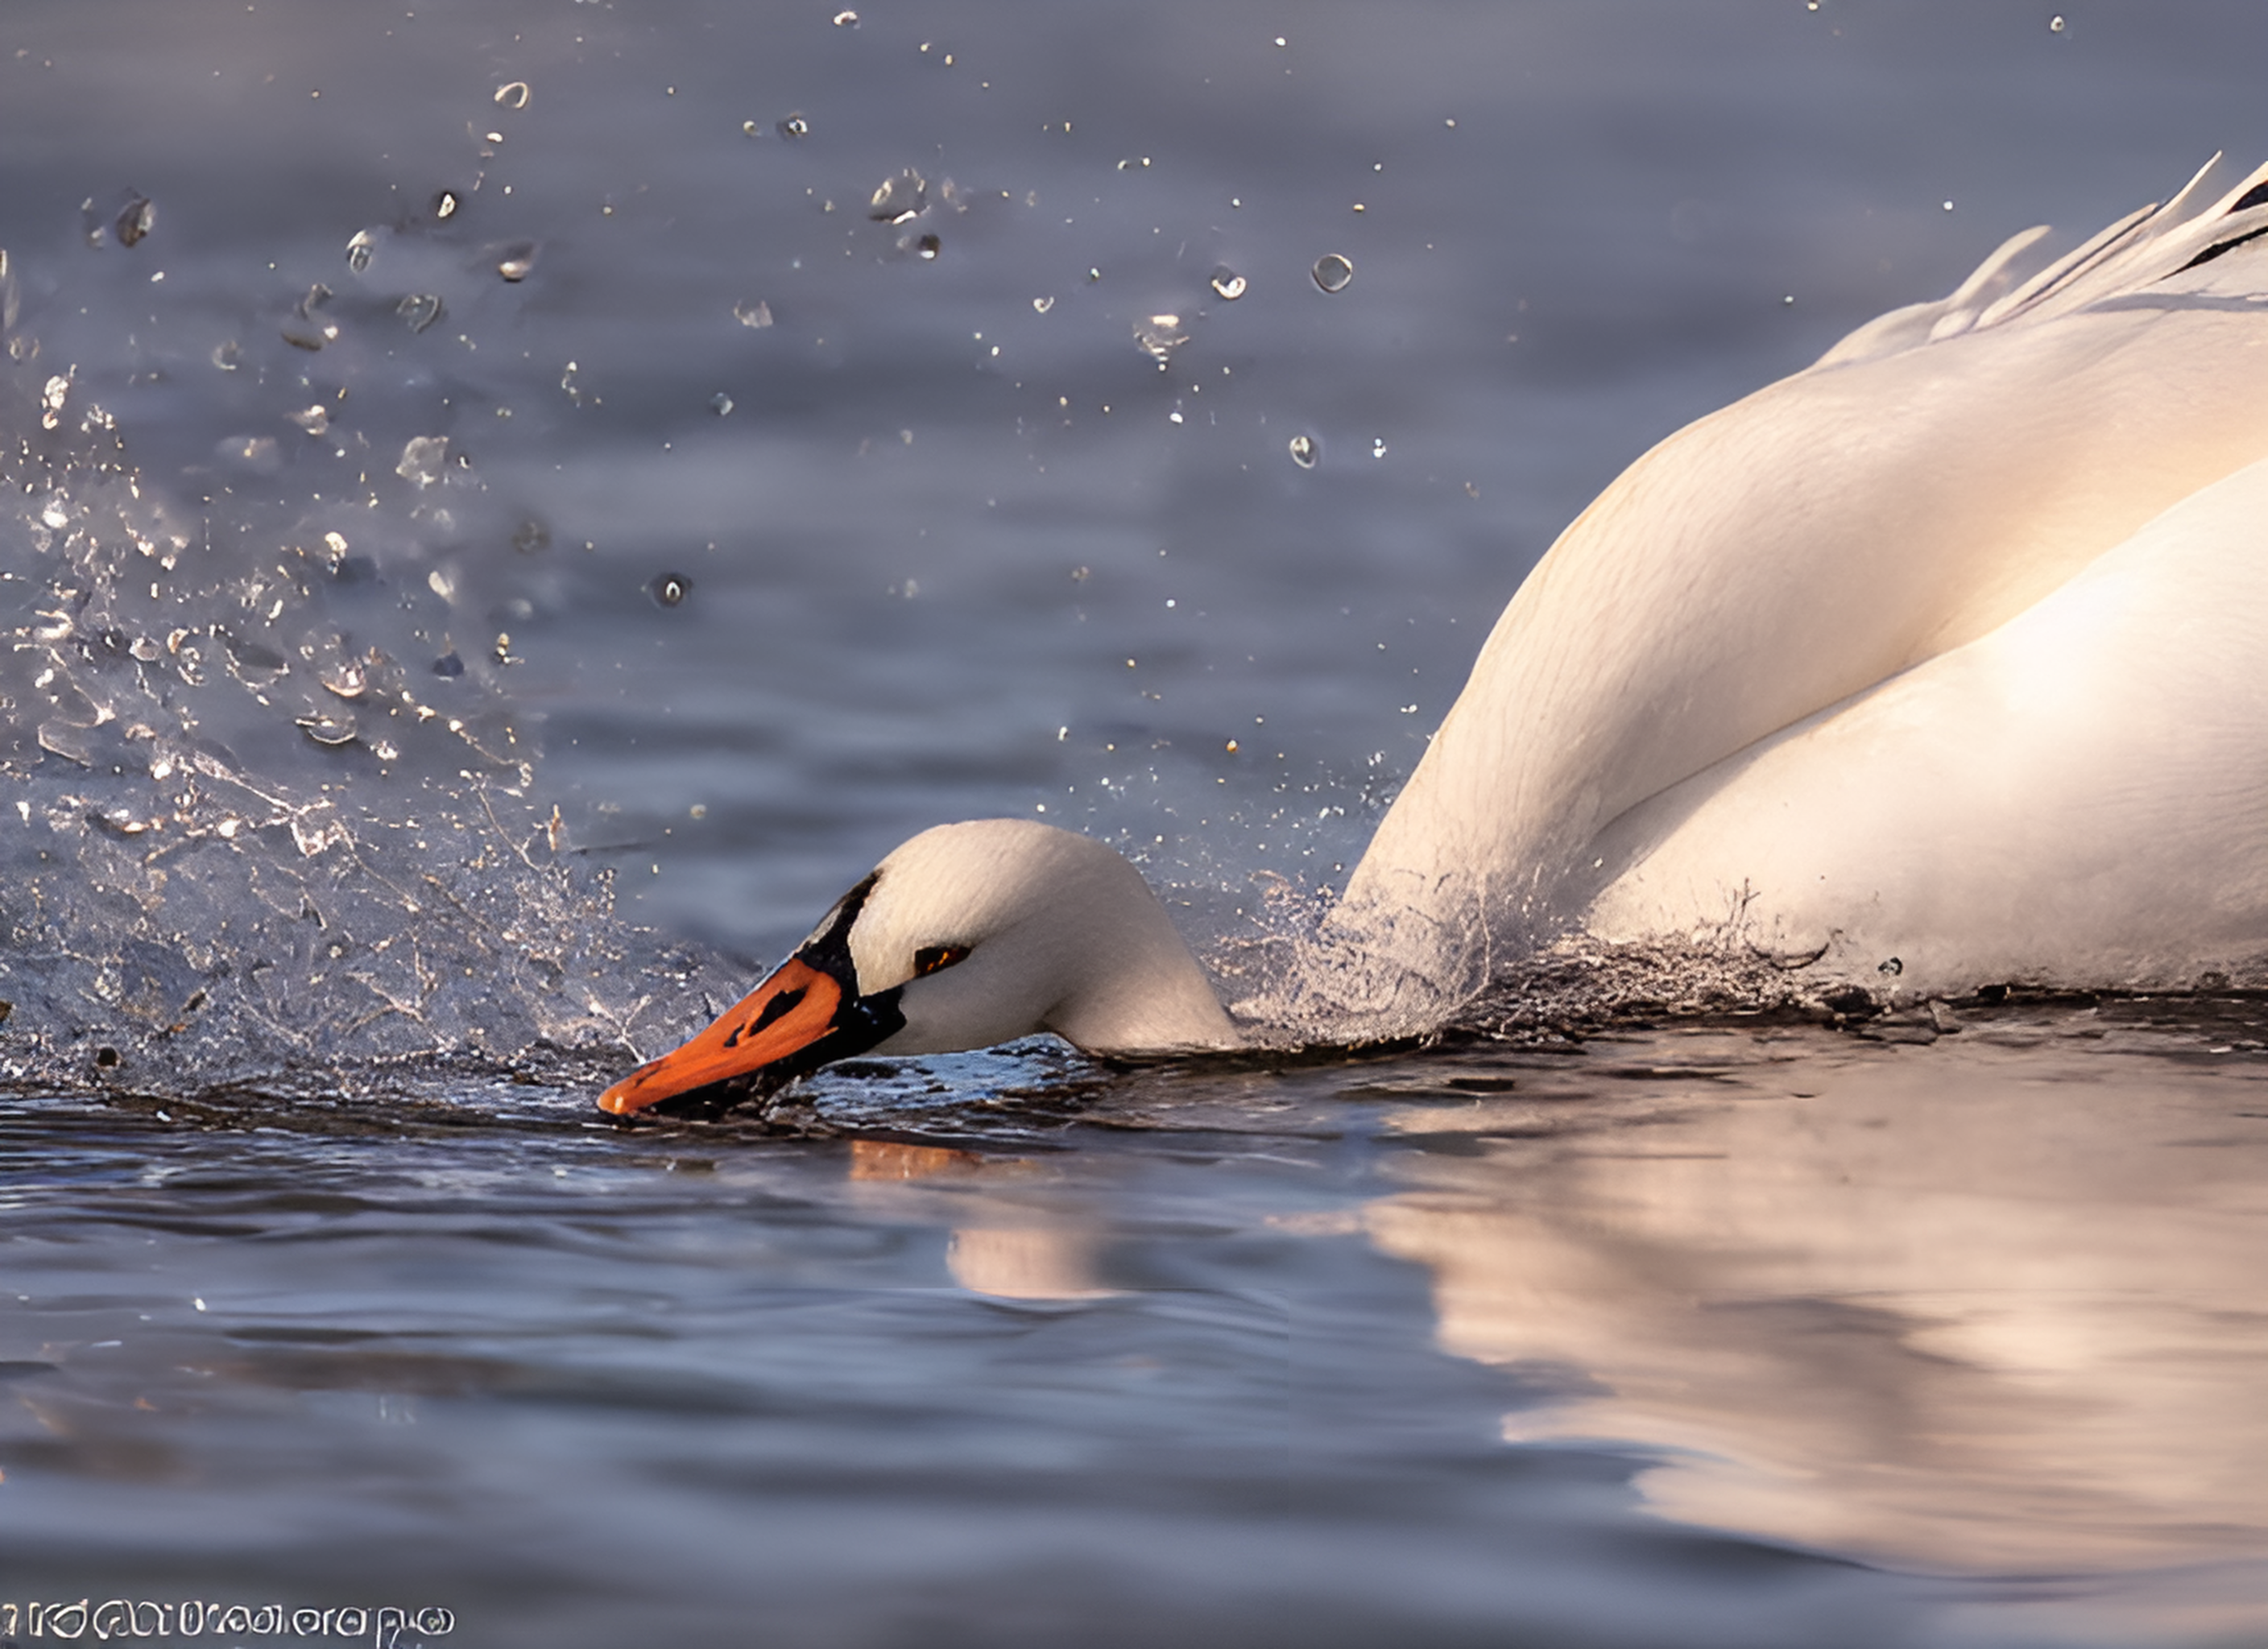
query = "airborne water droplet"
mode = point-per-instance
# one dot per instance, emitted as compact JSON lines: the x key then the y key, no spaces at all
{"x":306,"y":329}
{"x":420,"y":310}
{"x":358,"y":250}
{"x":899,"y":198}
{"x":669,"y":589}
{"x":758,"y":315}
{"x":1378,"y":447}
{"x":444,"y":204}
{"x":332,"y":731}
{"x":314,"y":420}
{"x":846,"y":20}
{"x":1228,"y":283}
{"x":1043,"y":305}
{"x":927,"y":248}
{"x":1305,"y":451}
{"x":254,"y":452}
{"x":795,"y":125}
{"x":1333,"y":271}
{"x":1158,"y":336}
{"x":518,"y":262}
{"x":514,"y":95}
{"x":138,"y":218}
{"x":720,"y":403}
{"x":422,"y":458}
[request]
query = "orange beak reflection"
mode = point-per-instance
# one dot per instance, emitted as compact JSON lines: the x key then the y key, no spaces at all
{"x":794,"y":1008}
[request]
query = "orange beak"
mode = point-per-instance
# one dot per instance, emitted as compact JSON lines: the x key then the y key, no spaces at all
{"x":799,"y":1005}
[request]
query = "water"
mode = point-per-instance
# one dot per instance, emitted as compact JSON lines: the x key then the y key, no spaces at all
{"x":414,"y":628}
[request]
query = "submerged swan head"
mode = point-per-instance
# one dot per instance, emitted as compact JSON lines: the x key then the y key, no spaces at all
{"x":968,"y":935}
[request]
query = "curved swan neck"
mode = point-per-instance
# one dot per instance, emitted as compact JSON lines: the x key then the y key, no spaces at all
{"x":1062,"y":934}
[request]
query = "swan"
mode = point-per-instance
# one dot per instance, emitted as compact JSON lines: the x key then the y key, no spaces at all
{"x":1943,"y":662}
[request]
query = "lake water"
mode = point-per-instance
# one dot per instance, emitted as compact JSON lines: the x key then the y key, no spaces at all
{"x":514,"y":507}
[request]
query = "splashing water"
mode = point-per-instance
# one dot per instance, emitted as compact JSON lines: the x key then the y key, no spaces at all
{"x":249,"y":829}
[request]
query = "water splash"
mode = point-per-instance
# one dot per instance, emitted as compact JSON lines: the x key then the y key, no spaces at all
{"x":252,"y":827}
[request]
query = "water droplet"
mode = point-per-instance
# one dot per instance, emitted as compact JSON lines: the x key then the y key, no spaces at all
{"x":135,"y":220}
{"x":846,"y":20}
{"x":1333,"y":271}
{"x":149,"y":653}
{"x":758,"y":315}
{"x":306,"y":329}
{"x":1305,"y":451}
{"x":721,"y":404}
{"x":228,"y":357}
{"x":51,"y":402}
{"x":1228,"y":283}
{"x":1043,"y":305}
{"x":1158,"y":336}
{"x":669,"y":589}
{"x":899,"y":198}
{"x":331,"y":731}
{"x":2056,"y":23}
{"x":314,"y":420}
{"x":530,"y":536}
{"x":348,"y":679}
{"x":518,"y":262}
{"x":66,"y":740}
{"x":358,"y":251}
{"x":444,"y":204}
{"x":512,"y":94}
{"x":419,"y":309}
{"x":256,"y":453}
{"x":795,"y":125}
{"x":422,"y":460}
{"x":1094,"y":276}
{"x":927,"y":248}
{"x":1378,"y":447}
{"x":449,"y":664}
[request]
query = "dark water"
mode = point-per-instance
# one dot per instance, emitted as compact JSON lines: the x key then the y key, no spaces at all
{"x":672,"y":581}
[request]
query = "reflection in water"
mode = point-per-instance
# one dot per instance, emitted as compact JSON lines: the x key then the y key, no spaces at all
{"x":1996,"y":1303}
{"x":1011,"y":1251}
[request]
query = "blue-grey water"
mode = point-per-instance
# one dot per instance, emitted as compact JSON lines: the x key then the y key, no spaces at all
{"x":507,"y":518}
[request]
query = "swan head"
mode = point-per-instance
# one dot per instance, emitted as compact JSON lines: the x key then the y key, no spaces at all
{"x":968,"y":935}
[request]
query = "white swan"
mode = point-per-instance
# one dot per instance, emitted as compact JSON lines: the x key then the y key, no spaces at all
{"x":1945,"y":658}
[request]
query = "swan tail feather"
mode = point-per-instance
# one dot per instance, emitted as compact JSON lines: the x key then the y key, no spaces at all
{"x":2149,"y":248}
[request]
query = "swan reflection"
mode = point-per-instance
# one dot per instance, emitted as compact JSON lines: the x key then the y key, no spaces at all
{"x":1970,"y":1305}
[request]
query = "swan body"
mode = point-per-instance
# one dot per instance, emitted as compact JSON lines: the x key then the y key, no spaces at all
{"x":1945,"y":658}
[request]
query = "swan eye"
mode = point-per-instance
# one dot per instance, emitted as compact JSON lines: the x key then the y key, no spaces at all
{"x":931,"y":958}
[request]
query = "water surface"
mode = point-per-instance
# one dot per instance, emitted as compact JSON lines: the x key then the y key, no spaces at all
{"x":635,"y":528}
